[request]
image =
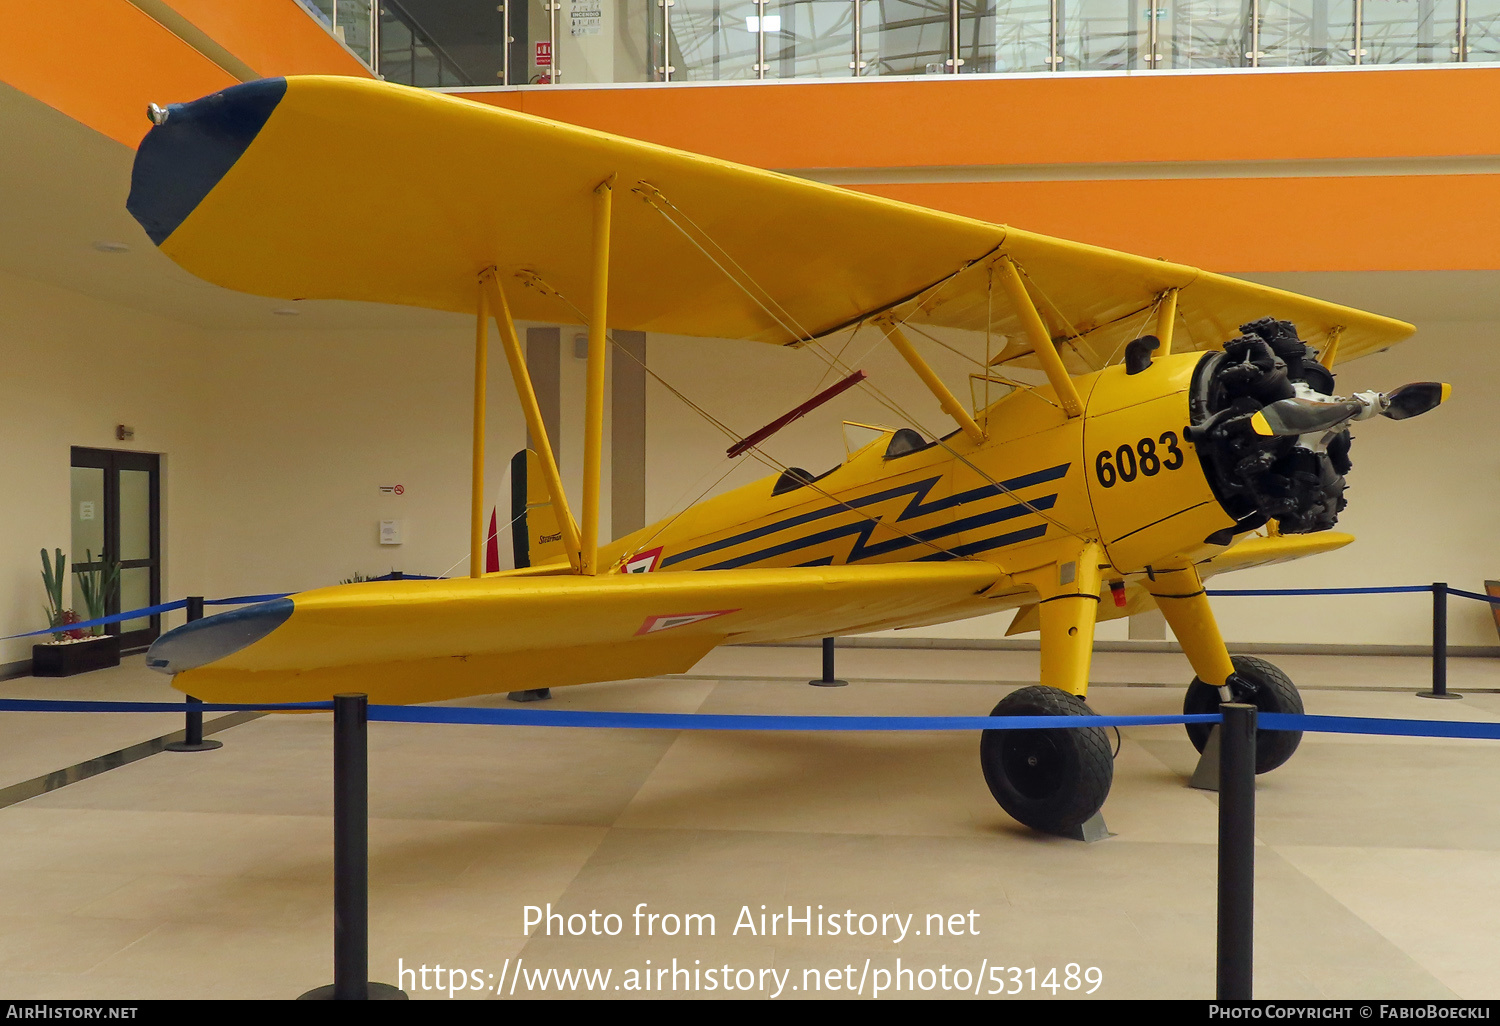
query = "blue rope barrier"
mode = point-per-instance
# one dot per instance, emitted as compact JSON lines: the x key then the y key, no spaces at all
{"x":713,"y":721}
{"x":1397,"y":590}
{"x":131,"y":614}
{"x":1368,"y":725}
{"x":1491,"y":599}
{"x":60,"y":705}
{"x":709,"y":721}
{"x":245,"y":600}
{"x":167,"y":607}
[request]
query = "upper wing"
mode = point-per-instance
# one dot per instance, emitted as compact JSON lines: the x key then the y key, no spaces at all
{"x":342,"y":188}
{"x":1094,"y":300}
{"x":423,"y":641}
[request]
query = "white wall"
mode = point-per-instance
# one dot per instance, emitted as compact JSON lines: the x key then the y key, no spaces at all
{"x":71,"y":368}
{"x":276,"y":443}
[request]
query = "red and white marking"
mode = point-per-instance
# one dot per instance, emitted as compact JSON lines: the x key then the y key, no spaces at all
{"x":666,"y":621}
{"x":643,"y":562}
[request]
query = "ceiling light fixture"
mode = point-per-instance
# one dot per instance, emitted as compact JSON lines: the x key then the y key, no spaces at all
{"x":111,"y":247}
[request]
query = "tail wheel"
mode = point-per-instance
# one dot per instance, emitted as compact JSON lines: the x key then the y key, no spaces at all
{"x":1050,"y":780}
{"x":1257,"y":683}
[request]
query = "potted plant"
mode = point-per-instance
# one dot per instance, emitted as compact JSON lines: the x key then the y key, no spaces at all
{"x":81,"y":649}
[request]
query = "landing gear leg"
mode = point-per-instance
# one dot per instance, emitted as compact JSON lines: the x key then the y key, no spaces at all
{"x":1056,"y":780}
{"x":1180,"y":595}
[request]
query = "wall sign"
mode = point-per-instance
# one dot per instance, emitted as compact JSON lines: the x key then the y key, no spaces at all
{"x":587,"y":16}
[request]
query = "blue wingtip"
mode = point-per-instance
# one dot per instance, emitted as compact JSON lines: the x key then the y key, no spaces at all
{"x":214,"y":637}
{"x":186,"y":154}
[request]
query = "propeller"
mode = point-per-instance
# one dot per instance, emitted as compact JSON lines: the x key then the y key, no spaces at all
{"x":1416,"y":399}
{"x":1299,"y":416}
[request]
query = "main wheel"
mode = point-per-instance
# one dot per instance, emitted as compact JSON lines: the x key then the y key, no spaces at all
{"x":1050,"y":780}
{"x":1258,"y":683}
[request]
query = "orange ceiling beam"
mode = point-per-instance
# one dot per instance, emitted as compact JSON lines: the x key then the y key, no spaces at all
{"x":1327,"y":219}
{"x":945,"y":121}
{"x":101,"y":62}
{"x":1249,"y":225}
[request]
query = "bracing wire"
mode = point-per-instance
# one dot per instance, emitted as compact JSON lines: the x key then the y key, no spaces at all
{"x":757,"y":452}
{"x":915,"y":304}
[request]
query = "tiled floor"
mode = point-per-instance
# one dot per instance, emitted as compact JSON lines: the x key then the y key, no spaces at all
{"x":209,"y":875}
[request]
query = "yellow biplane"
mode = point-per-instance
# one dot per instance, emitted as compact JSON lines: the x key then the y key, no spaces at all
{"x":1142,"y":466}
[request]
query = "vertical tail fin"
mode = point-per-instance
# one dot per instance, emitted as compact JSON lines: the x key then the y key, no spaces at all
{"x":535,"y":534}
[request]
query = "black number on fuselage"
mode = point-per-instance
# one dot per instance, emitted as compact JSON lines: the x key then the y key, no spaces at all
{"x":1150,"y":462}
{"x":1174,"y":460}
{"x":1142,"y":458}
{"x":1104,"y":471}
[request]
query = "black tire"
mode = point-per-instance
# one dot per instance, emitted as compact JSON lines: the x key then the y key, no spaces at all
{"x":1050,"y":780}
{"x":1261,"y":684}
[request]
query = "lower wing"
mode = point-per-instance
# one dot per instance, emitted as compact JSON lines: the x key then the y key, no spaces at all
{"x":425,"y":641}
{"x":1253,"y":551}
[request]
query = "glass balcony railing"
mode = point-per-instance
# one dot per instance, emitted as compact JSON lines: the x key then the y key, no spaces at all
{"x":436,"y":43}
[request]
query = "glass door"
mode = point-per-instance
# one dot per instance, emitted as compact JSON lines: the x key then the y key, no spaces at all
{"x":116,"y":517}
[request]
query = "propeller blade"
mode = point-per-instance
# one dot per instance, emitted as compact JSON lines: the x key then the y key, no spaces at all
{"x":1302,"y":416}
{"x":1415,"y":399}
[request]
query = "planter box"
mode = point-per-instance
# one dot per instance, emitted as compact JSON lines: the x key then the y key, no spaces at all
{"x":77,"y":657}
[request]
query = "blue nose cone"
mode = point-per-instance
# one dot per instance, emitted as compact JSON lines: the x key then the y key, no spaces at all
{"x":212,"y":638}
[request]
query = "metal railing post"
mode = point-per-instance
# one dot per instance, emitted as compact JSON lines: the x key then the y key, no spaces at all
{"x":760,"y":38}
{"x":1236,"y":947}
{"x":954,"y":60}
{"x":1053,"y":60}
{"x":1439,"y":644}
{"x":858,"y":64}
{"x":192,"y":740}
{"x":506,"y":43}
{"x":351,"y":857}
{"x":665,"y":68}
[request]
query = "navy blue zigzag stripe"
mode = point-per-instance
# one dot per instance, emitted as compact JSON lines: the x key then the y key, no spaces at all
{"x":862,"y":529}
{"x":918,"y":491}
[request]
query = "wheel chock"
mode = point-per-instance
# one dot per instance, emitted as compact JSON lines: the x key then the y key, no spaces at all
{"x":1206,"y":776}
{"x":1090,"y":830}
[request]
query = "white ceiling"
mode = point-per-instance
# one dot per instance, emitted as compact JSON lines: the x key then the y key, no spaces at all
{"x":63,"y":189}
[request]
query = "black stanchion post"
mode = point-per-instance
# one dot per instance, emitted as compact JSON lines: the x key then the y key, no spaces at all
{"x":351,"y":858}
{"x":193,"y":735}
{"x":1236,"y":851}
{"x":1439,"y":644}
{"x":828,"y":680}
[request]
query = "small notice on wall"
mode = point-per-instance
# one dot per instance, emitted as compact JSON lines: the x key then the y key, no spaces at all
{"x":544,"y":54}
{"x":85,"y":511}
{"x":587,"y":17}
